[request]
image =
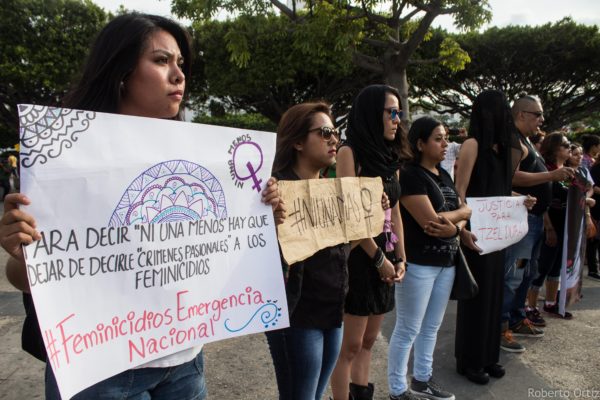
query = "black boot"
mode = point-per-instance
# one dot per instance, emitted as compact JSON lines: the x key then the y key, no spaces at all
{"x":476,"y":375}
{"x":358,"y":392}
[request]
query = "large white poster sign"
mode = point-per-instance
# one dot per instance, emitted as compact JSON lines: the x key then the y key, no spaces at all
{"x":497,"y":221}
{"x":154,"y":238}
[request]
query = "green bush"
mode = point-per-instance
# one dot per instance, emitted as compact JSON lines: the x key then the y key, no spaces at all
{"x":255,"y":122}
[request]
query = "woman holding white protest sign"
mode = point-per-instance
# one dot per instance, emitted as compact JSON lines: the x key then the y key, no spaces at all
{"x":374,"y":139}
{"x":138,"y":65}
{"x":433,"y":216}
{"x":489,"y":158}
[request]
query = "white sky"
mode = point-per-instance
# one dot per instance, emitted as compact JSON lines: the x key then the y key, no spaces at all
{"x":506,"y":12}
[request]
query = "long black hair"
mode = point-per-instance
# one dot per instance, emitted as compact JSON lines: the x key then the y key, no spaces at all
{"x":375,"y":155}
{"x":551,"y":146}
{"x":113,"y":57}
{"x":421,"y":129}
{"x":492,"y":126}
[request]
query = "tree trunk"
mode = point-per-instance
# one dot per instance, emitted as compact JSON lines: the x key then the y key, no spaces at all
{"x":396,"y":77}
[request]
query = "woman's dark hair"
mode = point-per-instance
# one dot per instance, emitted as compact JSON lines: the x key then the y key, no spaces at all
{"x":537,"y":138}
{"x":574,"y":146}
{"x":588,"y":141}
{"x":421,"y":129}
{"x":293,"y":128}
{"x":493,"y":127}
{"x":375,"y":155}
{"x":115,"y":54}
{"x":550,"y":146}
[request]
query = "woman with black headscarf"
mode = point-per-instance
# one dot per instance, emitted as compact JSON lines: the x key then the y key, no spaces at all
{"x":374,"y":142}
{"x":488,"y":160}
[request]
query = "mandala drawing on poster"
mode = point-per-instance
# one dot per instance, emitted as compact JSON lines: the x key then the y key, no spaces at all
{"x":47,"y":131}
{"x":171,"y":191}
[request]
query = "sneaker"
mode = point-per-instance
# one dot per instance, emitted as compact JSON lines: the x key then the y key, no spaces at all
{"x":406,"y":396}
{"x":594,"y":275}
{"x":553,"y":310}
{"x":507,"y":343}
{"x":526,"y":329}
{"x":534,"y":316}
{"x":429,"y":390}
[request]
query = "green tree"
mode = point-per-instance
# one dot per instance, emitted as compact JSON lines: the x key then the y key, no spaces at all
{"x":279,"y":72}
{"x":255,"y":122}
{"x":43,"y":43}
{"x":380,"y":42}
{"x":559,"y":62}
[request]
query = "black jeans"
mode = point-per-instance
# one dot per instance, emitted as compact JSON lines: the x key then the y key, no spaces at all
{"x":591,"y":252}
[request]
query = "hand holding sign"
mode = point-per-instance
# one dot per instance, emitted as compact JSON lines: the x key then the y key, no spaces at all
{"x":468,"y":238}
{"x":497,"y":222}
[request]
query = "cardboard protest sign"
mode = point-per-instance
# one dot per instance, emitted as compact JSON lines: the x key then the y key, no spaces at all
{"x":154,"y":238}
{"x":498,"y":221}
{"x":326,"y":212}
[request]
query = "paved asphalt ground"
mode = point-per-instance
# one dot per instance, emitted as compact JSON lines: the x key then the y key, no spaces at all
{"x":241,"y":368}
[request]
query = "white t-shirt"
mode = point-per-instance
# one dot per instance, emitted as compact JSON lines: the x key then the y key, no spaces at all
{"x":173,"y":360}
{"x":451,"y":154}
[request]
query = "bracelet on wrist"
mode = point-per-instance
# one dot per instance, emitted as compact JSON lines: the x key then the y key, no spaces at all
{"x":397,"y":260}
{"x":458,"y":230}
{"x":378,"y":258}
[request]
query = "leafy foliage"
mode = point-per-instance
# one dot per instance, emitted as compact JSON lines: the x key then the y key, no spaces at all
{"x":255,"y":122}
{"x":557,"y":62}
{"x":373,"y":35}
{"x":257,"y":65}
{"x":43,"y":43}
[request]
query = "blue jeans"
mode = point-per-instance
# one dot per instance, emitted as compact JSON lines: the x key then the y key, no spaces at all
{"x":421,"y":300}
{"x":304,"y":359}
{"x":184,"y":382}
{"x":517,"y":279}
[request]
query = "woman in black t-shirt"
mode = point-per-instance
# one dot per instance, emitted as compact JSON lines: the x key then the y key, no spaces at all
{"x":304,"y":354}
{"x":433,"y":216}
{"x":556,"y":150}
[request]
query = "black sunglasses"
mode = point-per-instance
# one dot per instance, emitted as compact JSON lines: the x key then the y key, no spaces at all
{"x":538,"y":114}
{"x":394,"y":113}
{"x":566,"y":145}
{"x":327,"y":132}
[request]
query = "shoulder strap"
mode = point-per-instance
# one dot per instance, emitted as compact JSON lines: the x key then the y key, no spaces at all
{"x":444,"y":208}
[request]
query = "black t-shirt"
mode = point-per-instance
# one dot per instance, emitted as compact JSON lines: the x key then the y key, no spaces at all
{"x":316,"y":287}
{"x":542,"y":192}
{"x":420,"y":247}
{"x":595,"y":173}
{"x":558,"y":204}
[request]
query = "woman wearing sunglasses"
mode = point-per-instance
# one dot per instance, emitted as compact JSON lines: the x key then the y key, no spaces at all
{"x":305,"y":353}
{"x":556,"y":150}
{"x":374,"y":141}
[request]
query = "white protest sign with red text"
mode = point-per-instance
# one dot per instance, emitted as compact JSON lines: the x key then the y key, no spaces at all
{"x":497,"y":221}
{"x":154,"y":238}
